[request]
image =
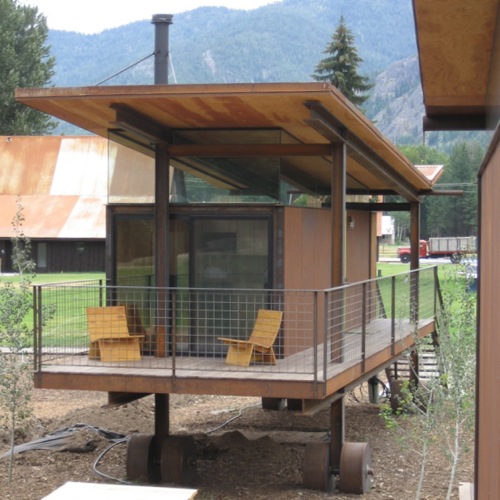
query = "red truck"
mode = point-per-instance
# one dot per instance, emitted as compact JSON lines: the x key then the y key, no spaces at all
{"x":453,"y":247}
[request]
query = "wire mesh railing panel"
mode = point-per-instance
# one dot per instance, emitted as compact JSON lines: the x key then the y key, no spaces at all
{"x":365,"y":318}
{"x":213,"y":330}
{"x":177,"y":329}
{"x":62,"y":318}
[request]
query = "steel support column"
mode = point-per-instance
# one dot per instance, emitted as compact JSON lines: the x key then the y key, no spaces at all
{"x":414,"y":234}
{"x":162,"y":246}
{"x":338,"y":213}
{"x":414,"y":283}
{"x":338,"y":245}
{"x":162,"y":417}
{"x":337,"y":431}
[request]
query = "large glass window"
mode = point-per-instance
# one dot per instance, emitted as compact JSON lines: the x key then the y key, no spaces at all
{"x":231,"y":253}
{"x":227,"y":254}
{"x":134,"y":250}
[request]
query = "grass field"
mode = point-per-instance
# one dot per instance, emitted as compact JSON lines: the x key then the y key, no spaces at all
{"x":40,"y":279}
{"x":70,"y":311}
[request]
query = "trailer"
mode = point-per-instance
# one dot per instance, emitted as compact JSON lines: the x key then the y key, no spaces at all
{"x":454,"y":247}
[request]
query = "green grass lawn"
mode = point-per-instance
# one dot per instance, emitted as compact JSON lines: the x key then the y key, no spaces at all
{"x":392,"y":268}
{"x":69,"y":311}
{"x":53,"y":278}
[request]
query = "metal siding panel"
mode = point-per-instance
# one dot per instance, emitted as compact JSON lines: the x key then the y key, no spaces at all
{"x":488,"y":410}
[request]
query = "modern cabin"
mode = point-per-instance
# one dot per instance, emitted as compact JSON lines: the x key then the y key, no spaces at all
{"x":256,"y":197}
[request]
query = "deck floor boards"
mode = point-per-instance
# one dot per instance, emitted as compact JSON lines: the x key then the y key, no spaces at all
{"x":299,"y":367}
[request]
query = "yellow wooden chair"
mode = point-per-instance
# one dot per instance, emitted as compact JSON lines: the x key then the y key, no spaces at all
{"x":110,"y":339}
{"x":259,"y":347}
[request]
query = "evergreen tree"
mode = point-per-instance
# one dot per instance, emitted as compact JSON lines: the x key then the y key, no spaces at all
{"x":25,"y":61}
{"x":465,"y":160}
{"x":341,"y":66}
{"x":430,"y":225}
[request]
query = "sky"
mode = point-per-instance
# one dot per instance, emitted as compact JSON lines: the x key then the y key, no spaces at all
{"x":94,"y":16}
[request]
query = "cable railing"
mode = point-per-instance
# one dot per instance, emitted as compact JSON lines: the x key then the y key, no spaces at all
{"x":178,"y":332}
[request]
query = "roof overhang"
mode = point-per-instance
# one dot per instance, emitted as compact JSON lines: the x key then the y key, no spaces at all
{"x":206,"y":121}
{"x":457,"y":47}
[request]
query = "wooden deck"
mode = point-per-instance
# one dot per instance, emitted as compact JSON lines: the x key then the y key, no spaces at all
{"x":310,"y":374}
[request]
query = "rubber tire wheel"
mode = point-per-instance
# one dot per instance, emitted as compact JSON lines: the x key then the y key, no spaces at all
{"x":141,"y":464}
{"x":316,"y":473}
{"x":355,"y":468}
{"x":405,"y":258}
{"x":178,"y":460}
{"x":455,"y":258}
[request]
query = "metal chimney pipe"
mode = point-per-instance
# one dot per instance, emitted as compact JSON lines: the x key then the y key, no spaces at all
{"x":161,"y":22}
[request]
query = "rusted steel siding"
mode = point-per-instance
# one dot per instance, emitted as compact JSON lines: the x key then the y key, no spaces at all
{"x":488,"y":409}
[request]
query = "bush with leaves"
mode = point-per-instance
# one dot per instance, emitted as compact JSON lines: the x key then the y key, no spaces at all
{"x":15,"y":337}
{"x":441,"y":409}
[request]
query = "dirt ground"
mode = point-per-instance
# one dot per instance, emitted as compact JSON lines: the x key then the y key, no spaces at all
{"x":257,"y":455}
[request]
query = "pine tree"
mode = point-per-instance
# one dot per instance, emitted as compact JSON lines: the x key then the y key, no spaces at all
{"x":25,"y":61}
{"x":341,"y":66}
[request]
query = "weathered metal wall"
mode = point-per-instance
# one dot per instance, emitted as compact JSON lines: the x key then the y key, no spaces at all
{"x":358,"y":240}
{"x":307,"y":248}
{"x":488,"y":404}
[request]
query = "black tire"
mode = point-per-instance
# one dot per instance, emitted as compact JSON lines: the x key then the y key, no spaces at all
{"x":405,"y":258}
{"x":455,"y":258}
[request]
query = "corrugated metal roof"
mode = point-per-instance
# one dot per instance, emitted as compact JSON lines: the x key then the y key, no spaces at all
{"x":48,"y":217}
{"x":61,"y":183}
{"x":75,"y":166}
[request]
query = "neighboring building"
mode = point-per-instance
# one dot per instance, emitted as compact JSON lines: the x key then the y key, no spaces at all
{"x":387,"y":230}
{"x":60,"y":185}
{"x":459,"y":49}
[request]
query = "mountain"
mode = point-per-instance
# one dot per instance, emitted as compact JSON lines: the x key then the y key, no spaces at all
{"x":396,"y":103}
{"x":280,"y":42}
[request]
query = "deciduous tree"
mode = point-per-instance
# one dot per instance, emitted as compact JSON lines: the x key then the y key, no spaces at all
{"x":25,"y":61}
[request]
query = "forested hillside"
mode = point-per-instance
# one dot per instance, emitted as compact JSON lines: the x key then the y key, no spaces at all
{"x":276,"y":43}
{"x":280,"y":42}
